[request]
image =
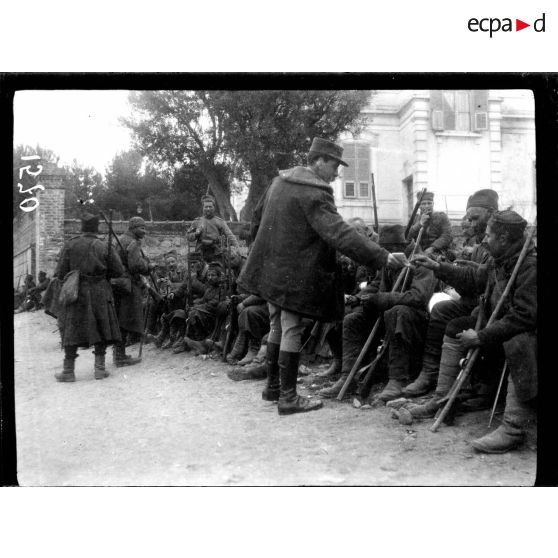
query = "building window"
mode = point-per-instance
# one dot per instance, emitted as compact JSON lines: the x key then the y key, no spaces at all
{"x":460,"y":111}
{"x":356,"y":177}
{"x":350,"y":190}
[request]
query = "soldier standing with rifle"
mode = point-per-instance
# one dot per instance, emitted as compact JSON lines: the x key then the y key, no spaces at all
{"x":129,"y":305}
{"x":292,"y":264}
{"x":91,"y":319}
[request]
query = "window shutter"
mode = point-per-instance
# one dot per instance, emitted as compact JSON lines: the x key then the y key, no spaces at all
{"x":480,"y":109}
{"x":437,"y":109}
{"x":363,"y":169}
{"x":350,"y":190}
{"x":349,"y":156}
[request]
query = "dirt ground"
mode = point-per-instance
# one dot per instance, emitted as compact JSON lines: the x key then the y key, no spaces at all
{"x":178,"y":420}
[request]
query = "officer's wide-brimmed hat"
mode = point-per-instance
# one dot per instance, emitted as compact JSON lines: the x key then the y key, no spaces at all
{"x":322,"y":146}
{"x":392,"y":234}
{"x":135,"y":222}
{"x":484,"y":198}
{"x":427,"y":196}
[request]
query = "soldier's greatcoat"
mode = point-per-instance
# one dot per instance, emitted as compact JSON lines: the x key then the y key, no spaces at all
{"x":437,"y":232}
{"x":515,"y":326}
{"x":208,"y":243}
{"x":293,"y":263}
{"x":92,"y":318}
{"x":130,"y":306}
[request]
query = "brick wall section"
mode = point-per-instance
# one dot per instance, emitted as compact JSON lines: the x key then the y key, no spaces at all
{"x":162,"y":236}
{"x":24,"y":235}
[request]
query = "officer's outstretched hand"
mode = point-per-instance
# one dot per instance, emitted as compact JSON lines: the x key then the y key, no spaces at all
{"x":397,"y":260}
{"x":425,"y":261}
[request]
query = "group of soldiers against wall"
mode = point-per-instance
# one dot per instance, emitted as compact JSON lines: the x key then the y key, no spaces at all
{"x":310,"y":271}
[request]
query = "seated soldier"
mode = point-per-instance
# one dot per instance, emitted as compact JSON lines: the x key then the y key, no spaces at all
{"x":406,"y":322}
{"x":253,"y":324}
{"x":514,"y":331}
{"x":480,"y":207}
{"x":169,"y":279}
{"x":36,"y":293}
{"x":173,"y":321}
{"x":436,"y":238}
{"x":203,"y":312}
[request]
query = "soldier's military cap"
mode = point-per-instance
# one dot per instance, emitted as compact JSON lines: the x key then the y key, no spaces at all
{"x":89,"y":222}
{"x":392,"y":234}
{"x":484,"y":198}
{"x":509,"y":218}
{"x":427,"y":196}
{"x":208,"y":198}
{"x":216,"y":266}
{"x":135,"y":222}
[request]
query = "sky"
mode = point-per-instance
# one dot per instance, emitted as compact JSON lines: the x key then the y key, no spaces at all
{"x":80,"y":125}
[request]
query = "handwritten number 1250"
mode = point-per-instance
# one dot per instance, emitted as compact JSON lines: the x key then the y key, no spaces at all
{"x":31,"y":203}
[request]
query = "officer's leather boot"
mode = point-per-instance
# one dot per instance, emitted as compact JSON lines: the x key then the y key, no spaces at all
{"x":67,"y":374}
{"x":426,"y":380}
{"x":253,"y":348}
{"x":239,"y":347}
{"x":272,"y":388}
{"x":510,"y":434}
{"x":289,"y":401}
{"x":120,"y":358}
{"x":449,"y":369}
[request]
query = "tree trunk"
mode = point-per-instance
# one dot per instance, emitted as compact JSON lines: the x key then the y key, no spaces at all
{"x":221,"y":194}
{"x":260,"y":181}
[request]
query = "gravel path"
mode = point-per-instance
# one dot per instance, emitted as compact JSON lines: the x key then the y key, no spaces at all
{"x":178,"y":420}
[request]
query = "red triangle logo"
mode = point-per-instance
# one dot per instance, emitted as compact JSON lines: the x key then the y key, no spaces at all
{"x":519,"y":25}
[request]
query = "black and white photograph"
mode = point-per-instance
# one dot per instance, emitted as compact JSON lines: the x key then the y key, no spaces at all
{"x":295,"y":283}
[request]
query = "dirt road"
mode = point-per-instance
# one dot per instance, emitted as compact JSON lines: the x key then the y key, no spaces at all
{"x":178,"y":420}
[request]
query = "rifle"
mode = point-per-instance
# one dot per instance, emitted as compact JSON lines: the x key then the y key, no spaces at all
{"x":376,"y":227}
{"x":414,"y":213}
{"x":399,"y":281}
{"x":472,"y":354}
{"x":233,"y":323}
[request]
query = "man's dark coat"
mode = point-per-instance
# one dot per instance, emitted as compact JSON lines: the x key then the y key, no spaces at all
{"x":293,"y":263}
{"x":92,"y":318}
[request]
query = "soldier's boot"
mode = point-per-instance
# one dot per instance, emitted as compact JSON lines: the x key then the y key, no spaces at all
{"x":426,"y":380}
{"x":289,"y":401}
{"x":120,"y":358}
{"x":333,"y":370}
{"x":253,"y":348}
{"x":99,"y":369}
{"x":199,"y":347}
{"x":254,"y":372}
{"x":511,"y":433}
{"x":334,"y":390}
{"x":335,"y":341}
{"x":162,"y":335}
{"x":273,"y":385}
{"x":449,"y":369}
{"x":239,"y":347}
{"x":399,"y":353}
{"x":67,"y":374}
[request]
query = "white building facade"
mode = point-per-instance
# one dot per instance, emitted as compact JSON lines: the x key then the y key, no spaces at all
{"x":451,"y":142}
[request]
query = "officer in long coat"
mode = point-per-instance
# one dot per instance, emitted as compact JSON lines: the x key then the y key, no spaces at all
{"x":513,"y":332}
{"x":129,"y":305}
{"x":293,"y":265}
{"x":91,"y":319}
